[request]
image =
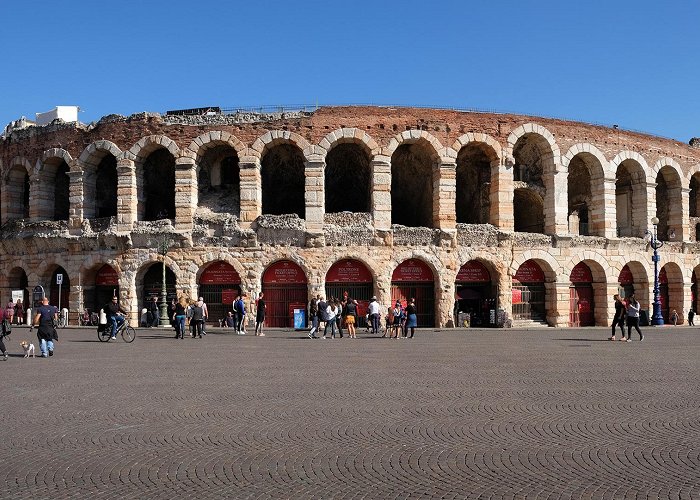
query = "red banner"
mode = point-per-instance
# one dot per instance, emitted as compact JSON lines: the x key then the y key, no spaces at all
{"x":220,"y":273}
{"x":517,"y":297}
{"x":107,"y":276}
{"x":473,"y":272}
{"x":662,"y":276}
{"x":529,"y":272}
{"x":625,"y":277}
{"x":348,"y":271}
{"x":412,"y":270}
{"x":581,"y":273}
{"x":228,"y":295}
{"x":284,"y":271}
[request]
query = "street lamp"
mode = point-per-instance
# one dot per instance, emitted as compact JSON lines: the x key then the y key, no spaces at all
{"x":163,"y":247}
{"x":656,"y":318}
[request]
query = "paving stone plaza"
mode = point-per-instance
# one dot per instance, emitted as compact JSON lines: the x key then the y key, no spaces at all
{"x":547,"y":413}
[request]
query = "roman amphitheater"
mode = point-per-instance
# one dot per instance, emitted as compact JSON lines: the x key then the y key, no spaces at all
{"x":504,"y":217}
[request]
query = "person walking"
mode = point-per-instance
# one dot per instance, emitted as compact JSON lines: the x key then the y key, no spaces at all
{"x":411,"y":317}
{"x":197,"y":319}
{"x":674,"y":317}
{"x":205,"y":310}
{"x":633,"y":308}
{"x":373,"y":311}
{"x":3,"y":350}
{"x":351,"y":317}
{"x":10,"y":312}
{"x":321,"y":317}
{"x":45,"y":318}
{"x":314,"y":314}
{"x":19,"y":312}
{"x":332,"y":312}
{"x":619,"y":318}
{"x":260,"y":315}
{"x":152,"y":313}
{"x":179,"y":317}
{"x":241,"y":314}
{"x":691,"y":317}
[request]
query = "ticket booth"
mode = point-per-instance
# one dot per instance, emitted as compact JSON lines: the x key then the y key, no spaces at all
{"x":351,"y":277}
{"x":219,"y":285}
{"x":414,"y":279}
{"x":528,"y":292}
{"x":474,"y":293}
{"x":581,"y":305}
{"x":285,"y":287}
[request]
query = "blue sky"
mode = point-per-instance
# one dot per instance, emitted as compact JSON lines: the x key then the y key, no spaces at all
{"x":632,"y":63}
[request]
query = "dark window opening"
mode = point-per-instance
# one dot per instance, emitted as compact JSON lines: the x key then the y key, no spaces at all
{"x":473,"y":185}
{"x":412,"y":186}
{"x":159,"y":185}
{"x":61,"y":193}
{"x":283,"y":181}
{"x":106,"y":188}
{"x":219,"y":181}
{"x":347,"y":179}
{"x":528,"y":211}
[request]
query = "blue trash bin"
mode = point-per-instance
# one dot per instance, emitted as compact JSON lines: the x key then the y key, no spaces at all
{"x":299,"y":319}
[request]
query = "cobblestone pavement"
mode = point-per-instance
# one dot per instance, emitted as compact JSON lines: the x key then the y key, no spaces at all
{"x":450,"y":414}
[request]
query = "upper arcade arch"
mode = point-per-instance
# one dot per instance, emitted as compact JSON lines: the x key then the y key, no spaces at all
{"x":208,"y":140}
{"x":631,"y":194}
{"x":51,"y":194}
{"x":585,"y":167}
{"x":669,"y":201}
{"x":282,"y":173}
{"x":273,"y":138}
{"x":350,"y":135}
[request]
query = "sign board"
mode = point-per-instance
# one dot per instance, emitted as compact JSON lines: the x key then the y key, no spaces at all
{"x":529,"y":272}
{"x":17,"y":294}
{"x":663,"y":277}
{"x":106,"y":276}
{"x":220,"y":273}
{"x":59,"y":278}
{"x":412,"y":271}
{"x":625,"y":277}
{"x":348,"y":271}
{"x":284,"y":272}
{"x":473,"y":272}
{"x":228,"y":295}
{"x":581,"y":273}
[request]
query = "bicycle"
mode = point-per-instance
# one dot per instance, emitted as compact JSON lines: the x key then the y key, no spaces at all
{"x":88,"y":318}
{"x":62,"y":321}
{"x":104,"y":332}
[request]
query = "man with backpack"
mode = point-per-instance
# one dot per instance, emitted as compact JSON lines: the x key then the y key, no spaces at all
{"x":197,"y":319}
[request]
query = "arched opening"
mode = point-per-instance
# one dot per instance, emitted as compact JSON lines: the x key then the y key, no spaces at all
{"x":352,"y":277}
{"x":100,"y":286}
{"x":283,"y":181}
{"x":285,"y":287}
{"x":59,"y":293}
{"x":219,"y":285}
{"x":347,"y":179}
{"x":473,"y":200}
{"x":581,"y":296}
{"x":528,"y":211}
{"x":671,"y":292}
{"x":529,"y":293}
{"x":106,"y":187}
{"x":153,"y":283}
{"x":18,"y":282}
{"x":630,"y":199}
{"x":585,"y":211}
{"x":633,"y":280}
{"x":219,"y":181}
{"x":413,"y":278}
{"x":668,"y":204}
{"x":412,"y":185}
{"x":157,"y":200}
{"x":17,"y":194}
{"x":694,"y":208}
{"x":475,"y":295}
{"x":54,"y":199}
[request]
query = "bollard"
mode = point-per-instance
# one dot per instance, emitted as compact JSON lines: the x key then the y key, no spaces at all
{"x":64,"y":315}
{"x":29,"y":316}
{"x":103,"y":317}
{"x":144,"y":317}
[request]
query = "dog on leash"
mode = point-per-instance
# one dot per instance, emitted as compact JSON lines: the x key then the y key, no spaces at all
{"x":28,"y":349}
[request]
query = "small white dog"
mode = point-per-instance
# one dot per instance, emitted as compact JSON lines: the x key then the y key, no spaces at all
{"x":28,"y":349}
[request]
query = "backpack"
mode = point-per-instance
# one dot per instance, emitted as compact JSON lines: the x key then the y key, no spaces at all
{"x":238,"y":306}
{"x":197,"y":313}
{"x":6,"y":327}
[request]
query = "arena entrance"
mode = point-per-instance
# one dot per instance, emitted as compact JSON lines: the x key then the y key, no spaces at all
{"x":153,"y":283}
{"x":352,"y":277}
{"x":581,"y":304}
{"x":106,"y":287}
{"x":414,"y":279}
{"x":219,"y":285}
{"x":626,"y":282}
{"x":529,"y":292}
{"x":285,"y":287}
{"x":474,"y":294}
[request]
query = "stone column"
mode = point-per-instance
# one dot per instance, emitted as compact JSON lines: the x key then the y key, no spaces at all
{"x":557,"y":303}
{"x":127,"y":195}
{"x":444,"y":196}
{"x":250,"y":190}
{"x":381,"y":192}
{"x":556,"y":202}
{"x":643,"y":213}
{"x":607,"y":306}
{"x":314,"y":195}
{"x":77,"y":202}
{"x":501,"y":196}
{"x":186,"y":194}
{"x":609,"y":205}
{"x":37,"y":200}
{"x":683,"y":233}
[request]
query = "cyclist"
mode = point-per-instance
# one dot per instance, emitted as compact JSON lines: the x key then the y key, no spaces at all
{"x":115,"y":315}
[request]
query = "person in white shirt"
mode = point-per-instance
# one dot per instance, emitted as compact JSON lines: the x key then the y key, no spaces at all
{"x":332,"y":311}
{"x":373,"y":311}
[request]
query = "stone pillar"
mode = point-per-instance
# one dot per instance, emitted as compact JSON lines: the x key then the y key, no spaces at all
{"x":444,"y":196}
{"x":314,"y":195}
{"x":683,"y":233}
{"x":642,"y":213}
{"x":127,"y":195}
{"x":251,"y":191}
{"x":606,"y":306}
{"x":37,"y":201}
{"x":557,"y":303}
{"x":556,"y":206}
{"x":381,"y":193}
{"x":186,"y":194}
{"x":609,"y":206}
{"x":501,"y":196}
{"x":77,"y":202}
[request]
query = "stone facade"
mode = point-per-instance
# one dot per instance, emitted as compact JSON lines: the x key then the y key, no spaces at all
{"x":443,"y":187}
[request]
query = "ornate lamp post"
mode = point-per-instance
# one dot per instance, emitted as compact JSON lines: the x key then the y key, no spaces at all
{"x":656,"y":318}
{"x":163,"y":247}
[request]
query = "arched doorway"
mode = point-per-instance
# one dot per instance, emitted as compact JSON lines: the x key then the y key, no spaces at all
{"x":474,"y":293}
{"x":18,"y":282}
{"x":106,"y":287}
{"x":153,"y":283}
{"x":581,"y":303}
{"x":219,"y":285}
{"x":663,"y":295}
{"x":64,"y":288}
{"x":529,"y":292}
{"x":285,"y":287}
{"x":414,"y":279}
{"x":353,"y":277}
{"x":626,"y":282}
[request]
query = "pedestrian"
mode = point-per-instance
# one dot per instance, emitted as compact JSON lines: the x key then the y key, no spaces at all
{"x":229,"y":321}
{"x":321,"y":317}
{"x":313,"y":314}
{"x":619,"y":318}
{"x":674,"y":317}
{"x":260,"y":314}
{"x":350,"y":314}
{"x":10,"y":312}
{"x":197,"y":318}
{"x":179,"y":316}
{"x":332,"y":312}
{"x":152,"y":314}
{"x":411,"y":317}
{"x":188,"y":315}
{"x":373,"y":311}
{"x":396,"y":323}
{"x":19,"y":312}
{"x":205,"y":309}
{"x":388,"y":321}
{"x":691,"y":317}
{"x":633,"y":308}
{"x":45,"y":318}
{"x":241,"y":314}
{"x":3,"y":350}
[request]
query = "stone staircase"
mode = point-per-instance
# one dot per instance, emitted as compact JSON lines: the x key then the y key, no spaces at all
{"x":529,"y":323}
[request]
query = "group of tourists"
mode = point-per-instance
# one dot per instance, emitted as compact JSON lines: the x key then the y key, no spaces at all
{"x":626,"y":311}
